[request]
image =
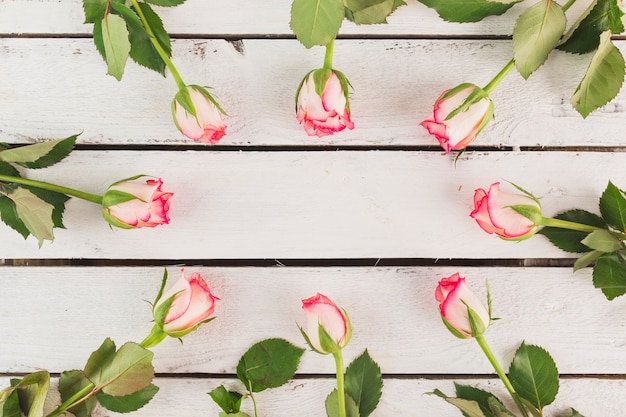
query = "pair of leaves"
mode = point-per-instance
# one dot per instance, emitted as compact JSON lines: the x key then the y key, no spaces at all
{"x":603,"y":246}
{"x":26,"y":396}
{"x":363,"y":386}
{"x":27,"y":209}
{"x":267,"y":364}
{"x":120,"y":33}
{"x":540,"y":29}
{"x":317,"y":22}
{"x":120,"y":380}
{"x":533,"y":375}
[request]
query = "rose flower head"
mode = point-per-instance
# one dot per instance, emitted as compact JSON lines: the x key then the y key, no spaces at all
{"x":461,"y":310}
{"x":514,"y":216}
{"x":322,"y":104}
{"x":456,"y":123}
{"x":328,"y":327}
{"x":197,"y":115}
{"x":184,"y":306}
{"x":133,"y":203}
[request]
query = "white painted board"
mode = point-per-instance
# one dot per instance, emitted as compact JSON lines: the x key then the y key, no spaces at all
{"x":52,"y":88}
{"x":316,"y":205}
{"x":241,"y":17}
{"x":305,"y":397}
{"x":54,"y":317}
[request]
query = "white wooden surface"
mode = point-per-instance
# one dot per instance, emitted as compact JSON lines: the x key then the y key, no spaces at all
{"x":392,"y":194}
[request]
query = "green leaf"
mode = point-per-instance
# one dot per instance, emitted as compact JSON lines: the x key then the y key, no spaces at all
{"x":165,"y":3}
{"x":609,"y":275}
{"x":584,"y":35}
{"x":613,"y":207}
{"x":239,"y":414}
{"x":35,"y":213}
{"x":57,"y":200}
{"x":40,"y":155}
{"x":229,"y":401}
{"x":116,"y":44}
{"x":587,"y":259}
{"x":94,"y":10}
{"x":603,"y":78}
{"x":534,"y":376}
{"x":127,"y":403}
{"x":72,"y":382}
{"x":487,"y":402}
{"x":537,"y":32}
{"x":8,"y":214}
{"x":100,"y":359}
{"x":10,"y":404}
{"x":572,"y":413}
{"x":268,"y":364}
{"x":129,"y":371}
{"x":570,"y":240}
{"x":316,"y":22}
{"x":364,"y":383}
{"x":602,"y":240}
{"x":469,"y":408}
{"x":141,"y":49}
{"x":332,"y":405}
{"x":369,"y":11}
{"x":464,"y":11}
{"x":32,"y":391}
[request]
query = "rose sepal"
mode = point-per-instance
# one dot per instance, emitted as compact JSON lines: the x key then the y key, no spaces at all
{"x":320,"y":78}
{"x":452,"y":330}
{"x":184,"y":99}
{"x":475,"y":96}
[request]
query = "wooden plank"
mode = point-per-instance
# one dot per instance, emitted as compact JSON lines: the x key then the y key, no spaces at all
{"x":54,"y":317}
{"x":395,"y":83}
{"x":242,"y":17}
{"x":305,"y":397}
{"x":268,"y":205}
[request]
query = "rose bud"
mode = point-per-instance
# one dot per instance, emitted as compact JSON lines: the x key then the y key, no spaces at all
{"x":328,"y":327}
{"x":461,"y":310}
{"x":130,"y":203}
{"x":197,"y":115}
{"x":322,"y":103}
{"x":185,"y":306}
{"x":456,"y":132}
{"x":509,"y":215}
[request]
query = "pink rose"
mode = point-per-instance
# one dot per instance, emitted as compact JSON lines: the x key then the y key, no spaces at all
{"x":456,"y":303}
{"x":458,"y":131}
{"x":191,"y":305}
{"x":494,"y":213}
{"x":197,"y":115}
{"x":328,"y":328}
{"x":130,"y":203}
{"x":322,"y":104}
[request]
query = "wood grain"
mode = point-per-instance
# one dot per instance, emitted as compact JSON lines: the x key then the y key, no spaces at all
{"x":393,"y":313}
{"x":395,"y":83}
{"x":268,"y":205}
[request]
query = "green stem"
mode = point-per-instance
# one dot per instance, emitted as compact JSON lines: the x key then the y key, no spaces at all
{"x":256,"y":412}
{"x":568,"y":5}
{"x":53,"y":187}
{"x":494,"y":362}
{"x":170,"y":65}
{"x":74,"y":400}
{"x":499,"y":77}
{"x":340,"y":386}
{"x":155,"y":337}
{"x":328,"y":57}
{"x":565,"y":224}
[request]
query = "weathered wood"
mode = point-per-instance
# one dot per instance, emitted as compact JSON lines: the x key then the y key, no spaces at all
{"x":305,"y":397}
{"x":258,"y":205}
{"x":65,"y":91}
{"x":241,"y":17}
{"x":53,"y":318}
